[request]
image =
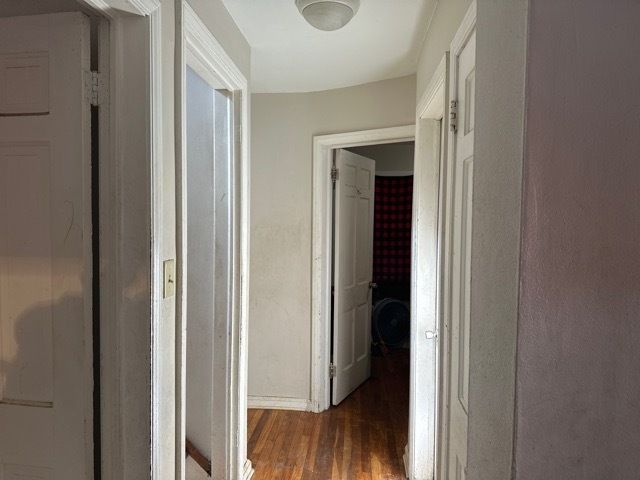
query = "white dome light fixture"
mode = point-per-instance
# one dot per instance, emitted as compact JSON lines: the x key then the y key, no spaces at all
{"x":328,"y":15}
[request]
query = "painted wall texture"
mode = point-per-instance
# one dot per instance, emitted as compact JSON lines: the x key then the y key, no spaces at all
{"x":578,"y":394}
{"x":444,"y":24}
{"x":283,"y":126}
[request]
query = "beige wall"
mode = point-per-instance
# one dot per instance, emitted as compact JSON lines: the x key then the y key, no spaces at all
{"x":445,"y":22}
{"x":283,"y":126}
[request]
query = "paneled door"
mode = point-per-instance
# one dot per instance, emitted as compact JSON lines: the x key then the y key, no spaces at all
{"x":353,"y":272}
{"x":461,"y":160}
{"x":45,"y":249}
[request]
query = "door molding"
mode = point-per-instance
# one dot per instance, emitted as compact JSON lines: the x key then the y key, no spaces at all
{"x":197,"y":47}
{"x":322,"y":232}
{"x":430,"y":188}
{"x":130,"y":160}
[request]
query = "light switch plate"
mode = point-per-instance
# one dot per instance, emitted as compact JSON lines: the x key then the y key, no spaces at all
{"x":169,"y":289}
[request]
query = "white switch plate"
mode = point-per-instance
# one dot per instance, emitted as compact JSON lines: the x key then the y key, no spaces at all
{"x":169,"y":278}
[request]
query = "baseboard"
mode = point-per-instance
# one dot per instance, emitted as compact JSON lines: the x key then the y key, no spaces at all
{"x":279,"y":403}
{"x":247,"y":471}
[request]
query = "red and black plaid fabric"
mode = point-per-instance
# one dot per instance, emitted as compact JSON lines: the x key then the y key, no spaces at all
{"x":392,"y":229}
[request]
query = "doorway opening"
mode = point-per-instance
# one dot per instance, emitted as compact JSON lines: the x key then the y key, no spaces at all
{"x":208,"y":260}
{"x":371,"y":262}
{"x":211,"y":258}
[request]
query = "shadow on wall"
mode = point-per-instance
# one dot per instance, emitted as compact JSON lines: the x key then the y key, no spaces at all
{"x":27,"y":360}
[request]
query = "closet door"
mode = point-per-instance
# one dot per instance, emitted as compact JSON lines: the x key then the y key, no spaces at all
{"x":45,"y":249}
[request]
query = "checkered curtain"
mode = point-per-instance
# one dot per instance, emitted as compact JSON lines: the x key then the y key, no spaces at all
{"x":392,"y":230}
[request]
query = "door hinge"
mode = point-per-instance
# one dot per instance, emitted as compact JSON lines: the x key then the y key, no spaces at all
{"x":453,"y":116}
{"x":332,"y":370}
{"x":334,"y":174}
{"x":95,"y":88}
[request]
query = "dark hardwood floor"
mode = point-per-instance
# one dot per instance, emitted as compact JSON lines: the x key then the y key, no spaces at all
{"x":361,"y":439}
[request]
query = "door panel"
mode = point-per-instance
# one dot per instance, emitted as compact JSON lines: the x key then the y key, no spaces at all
{"x":463,"y":74}
{"x":353,"y":269}
{"x":45,"y":249}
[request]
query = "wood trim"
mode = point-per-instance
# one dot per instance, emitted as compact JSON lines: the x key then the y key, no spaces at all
{"x":158,"y":328}
{"x":195,"y":45}
{"x":430,"y":104}
{"x":247,"y":471}
{"x":193,"y":452}
{"x":466,"y":28}
{"x":280,"y":403}
{"x":431,"y":146}
{"x":128,"y":43}
{"x":321,"y":246}
{"x":464,"y":31}
{"x":116,"y":8}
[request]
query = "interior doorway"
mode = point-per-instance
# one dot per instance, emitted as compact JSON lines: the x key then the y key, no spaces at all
{"x":368,"y":181}
{"x":371,"y":265}
{"x":208,"y":307}
{"x":211,"y":260}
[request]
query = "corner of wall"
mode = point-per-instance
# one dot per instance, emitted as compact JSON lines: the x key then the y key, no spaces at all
{"x":500,"y":99}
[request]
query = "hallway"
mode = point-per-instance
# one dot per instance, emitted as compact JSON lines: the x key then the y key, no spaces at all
{"x":361,"y":439}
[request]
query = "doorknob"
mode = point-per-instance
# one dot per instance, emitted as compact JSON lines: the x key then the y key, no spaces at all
{"x":373,"y":285}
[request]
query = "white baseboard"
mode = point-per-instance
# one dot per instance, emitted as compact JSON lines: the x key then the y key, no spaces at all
{"x":247,"y":471}
{"x":279,"y":403}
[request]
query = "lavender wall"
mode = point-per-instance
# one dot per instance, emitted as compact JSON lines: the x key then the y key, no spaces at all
{"x":578,"y":366}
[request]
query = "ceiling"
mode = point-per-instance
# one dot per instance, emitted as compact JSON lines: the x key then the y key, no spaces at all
{"x":288,"y":55}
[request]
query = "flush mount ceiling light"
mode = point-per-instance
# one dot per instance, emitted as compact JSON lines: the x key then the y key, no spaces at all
{"x":328,"y":15}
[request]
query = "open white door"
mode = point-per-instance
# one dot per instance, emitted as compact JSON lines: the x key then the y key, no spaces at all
{"x":461,"y":157}
{"x":353,"y":269}
{"x":45,"y":249}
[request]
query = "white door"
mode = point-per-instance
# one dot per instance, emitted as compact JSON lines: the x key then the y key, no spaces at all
{"x":45,"y":250}
{"x":463,"y":91}
{"x":353,"y":269}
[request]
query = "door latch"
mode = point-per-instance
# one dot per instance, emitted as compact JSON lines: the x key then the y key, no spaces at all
{"x":431,"y":334}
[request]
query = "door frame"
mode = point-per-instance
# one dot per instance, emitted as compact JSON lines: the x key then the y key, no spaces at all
{"x":198,"y":48}
{"x":322,"y":234}
{"x":465,"y":29}
{"x":427,"y":406}
{"x":130,"y":197}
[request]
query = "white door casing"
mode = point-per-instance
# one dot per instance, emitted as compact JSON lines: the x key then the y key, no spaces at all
{"x":199,"y":49}
{"x":353,"y":270}
{"x":462,"y":91}
{"x":45,"y":249}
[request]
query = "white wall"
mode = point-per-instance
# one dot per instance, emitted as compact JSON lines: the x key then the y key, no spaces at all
{"x":200,"y":261}
{"x":283,"y":126}
{"x":497,"y":180}
{"x":389,"y":157}
{"x":444,"y":24}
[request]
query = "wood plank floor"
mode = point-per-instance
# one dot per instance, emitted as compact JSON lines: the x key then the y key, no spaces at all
{"x":361,"y":439}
